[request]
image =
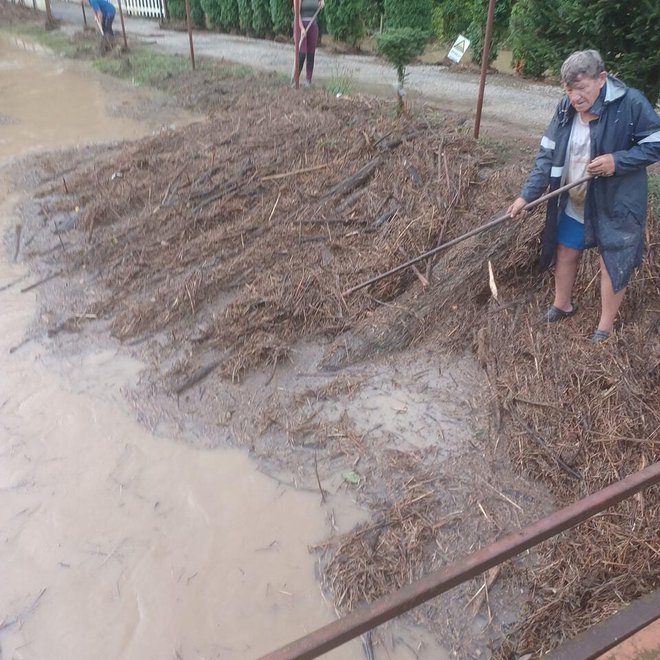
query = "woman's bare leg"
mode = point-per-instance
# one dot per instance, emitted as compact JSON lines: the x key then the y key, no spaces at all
{"x":566,"y":267}
{"x":609,"y":301}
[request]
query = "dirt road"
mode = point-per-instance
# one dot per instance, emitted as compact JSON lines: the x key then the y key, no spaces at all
{"x":507,"y":100}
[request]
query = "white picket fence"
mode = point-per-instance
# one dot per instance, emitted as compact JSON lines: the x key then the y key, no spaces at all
{"x":146,"y":8}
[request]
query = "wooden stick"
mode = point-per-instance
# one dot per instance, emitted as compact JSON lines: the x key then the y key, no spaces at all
{"x":283,"y":175}
{"x":478,"y":230}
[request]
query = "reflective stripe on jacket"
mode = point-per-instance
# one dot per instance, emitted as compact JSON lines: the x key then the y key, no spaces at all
{"x":615,"y":207}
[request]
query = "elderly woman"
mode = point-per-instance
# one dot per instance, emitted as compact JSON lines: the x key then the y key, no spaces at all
{"x":604,"y":129}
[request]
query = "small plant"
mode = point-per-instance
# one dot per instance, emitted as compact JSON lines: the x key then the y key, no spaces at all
{"x":400,"y":46}
{"x":340,"y":84}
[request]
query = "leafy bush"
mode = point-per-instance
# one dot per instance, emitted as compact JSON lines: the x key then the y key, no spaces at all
{"x":414,"y":14}
{"x":545,"y":32}
{"x":535,"y":27}
{"x":469,"y":17}
{"x":229,"y":15}
{"x":262,"y":23}
{"x":212,"y":10}
{"x":476,"y":30}
{"x":178,"y":11}
{"x":345,"y":22}
{"x":281,"y":14}
{"x":456,"y":17}
{"x":627,"y":36}
{"x":438,"y":24}
{"x":245,"y":15}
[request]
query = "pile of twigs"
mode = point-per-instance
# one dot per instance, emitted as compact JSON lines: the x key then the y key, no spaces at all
{"x":237,"y":237}
{"x":254,"y":231}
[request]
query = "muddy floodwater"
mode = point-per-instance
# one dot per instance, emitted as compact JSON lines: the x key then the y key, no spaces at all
{"x":116,"y":543}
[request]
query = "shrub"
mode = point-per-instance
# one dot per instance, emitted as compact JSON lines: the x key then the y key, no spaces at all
{"x":344,"y":19}
{"x":245,"y":16}
{"x":178,"y":11}
{"x":534,"y":26}
{"x":469,"y":17}
{"x":212,"y":10}
{"x":262,"y":23}
{"x":438,"y":24}
{"x":229,"y":15}
{"x":545,"y":32}
{"x":476,"y":30}
{"x":281,"y":14}
{"x":414,"y":14}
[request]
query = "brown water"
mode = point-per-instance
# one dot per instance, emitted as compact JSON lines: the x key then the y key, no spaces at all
{"x":115,"y":543}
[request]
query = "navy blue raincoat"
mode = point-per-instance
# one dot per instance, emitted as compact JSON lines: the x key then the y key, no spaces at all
{"x":615,"y":207}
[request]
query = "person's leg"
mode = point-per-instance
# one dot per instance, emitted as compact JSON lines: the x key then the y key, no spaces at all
{"x":310,"y":67}
{"x":301,"y":62}
{"x":609,"y":301}
{"x":107,"y":25}
{"x":566,"y":267}
{"x":311,"y":38}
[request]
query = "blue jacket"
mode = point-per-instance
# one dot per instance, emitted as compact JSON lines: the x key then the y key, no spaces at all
{"x":615,"y":207}
{"x":105,"y":7}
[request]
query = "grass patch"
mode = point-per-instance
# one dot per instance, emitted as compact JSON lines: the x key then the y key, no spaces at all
{"x":144,"y":67}
{"x":53,"y":40}
{"x":340,"y":84}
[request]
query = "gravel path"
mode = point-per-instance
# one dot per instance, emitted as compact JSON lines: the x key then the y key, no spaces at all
{"x":508,"y":100}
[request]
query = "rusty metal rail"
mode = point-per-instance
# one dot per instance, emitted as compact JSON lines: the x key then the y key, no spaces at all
{"x":369,"y":616}
{"x":607,"y":634}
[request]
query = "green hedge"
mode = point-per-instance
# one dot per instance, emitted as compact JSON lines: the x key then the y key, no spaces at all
{"x":415,"y":14}
{"x":281,"y":14}
{"x":178,"y":11}
{"x":229,"y":15}
{"x":345,"y":20}
{"x":545,"y":32}
{"x":262,"y":23}
{"x":245,"y":16}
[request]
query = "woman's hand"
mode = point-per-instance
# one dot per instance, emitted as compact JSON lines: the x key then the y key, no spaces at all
{"x":321,"y":3}
{"x":517,"y":208}
{"x":602,"y":166}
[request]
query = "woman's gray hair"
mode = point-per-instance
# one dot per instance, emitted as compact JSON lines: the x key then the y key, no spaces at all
{"x":582,"y":63}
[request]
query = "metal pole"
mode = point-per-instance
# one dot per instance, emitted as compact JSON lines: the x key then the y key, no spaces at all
{"x":49,"y":15}
{"x":484,"y":65}
{"x":123,"y":29}
{"x":489,"y":225}
{"x":82,"y":6}
{"x":190,"y":39}
{"x":296,"y":65}
{"x":597,"y":640}
{"x":369,"y":616}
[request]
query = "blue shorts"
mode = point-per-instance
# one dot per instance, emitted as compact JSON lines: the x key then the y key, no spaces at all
{"x":570,"y":232}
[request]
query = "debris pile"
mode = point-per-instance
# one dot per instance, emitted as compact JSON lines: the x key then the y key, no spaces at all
{"x":232,"y":240}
